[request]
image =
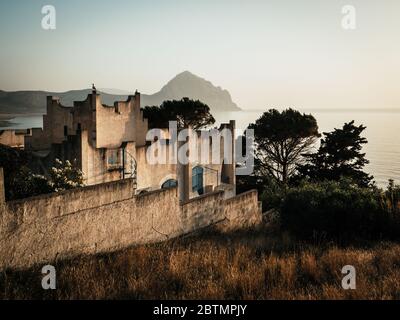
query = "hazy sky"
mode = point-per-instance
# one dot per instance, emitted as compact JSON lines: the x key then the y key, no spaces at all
{"x":265,"y":53}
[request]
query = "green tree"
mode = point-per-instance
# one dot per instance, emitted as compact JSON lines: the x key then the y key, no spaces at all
{"x":282,"y":138}
{"x":339,"y":156}
{"x":333,"y":210}
{"x":186,"y":112}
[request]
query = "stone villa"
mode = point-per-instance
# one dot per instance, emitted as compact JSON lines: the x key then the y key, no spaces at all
{"x":126,"y":200}
{"x":109,"y":144}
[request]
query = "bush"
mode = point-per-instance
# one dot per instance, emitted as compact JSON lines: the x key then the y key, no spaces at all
{"x":333,"y":210}
{"x":27,"y":184}
{"x":272,"y":195}
{"x":391,"y":199}
{"x":23,"y":183}
{"x":65,"y":175}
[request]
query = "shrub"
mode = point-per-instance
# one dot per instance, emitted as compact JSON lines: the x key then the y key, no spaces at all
{"x":24,"y":183}
{"x":272,"y":195}
{"x":390,"y":203}
{"x":391,"y":199}
{"x":333,"y":210}
{"x":27,"y":184}
{"x":65,"y":175}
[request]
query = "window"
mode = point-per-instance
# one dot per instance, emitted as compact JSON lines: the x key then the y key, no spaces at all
{"x":114,"y":158}
{"x":169,"y":184}
{"x":65,"y":131}
{"x":197,"y":180}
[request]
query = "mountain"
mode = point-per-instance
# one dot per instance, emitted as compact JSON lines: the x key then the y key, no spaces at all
{"x":184,"y":84}
{"x":189,"y":85}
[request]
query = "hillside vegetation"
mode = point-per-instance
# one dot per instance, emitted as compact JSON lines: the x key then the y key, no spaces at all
{"x":246,"y":265}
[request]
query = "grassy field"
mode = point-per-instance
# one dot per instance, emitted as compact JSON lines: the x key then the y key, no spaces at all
{"x":247,"y":265}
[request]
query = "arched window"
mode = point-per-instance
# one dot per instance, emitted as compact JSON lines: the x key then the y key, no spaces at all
{"x":197,"y":180}
{"x":169,"y":184}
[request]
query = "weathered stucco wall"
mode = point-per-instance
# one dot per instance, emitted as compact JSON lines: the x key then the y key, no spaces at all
{"x":115,"y":124}
{"x":13,"y":138}
{"x":243,"y":210}
{"x":202,"y":211}
{"x":54,"y":121}
{"x":87,"y":132}
{"x":107,"y":217}
{"x":94,"y":162}
{"x":152,"y":176}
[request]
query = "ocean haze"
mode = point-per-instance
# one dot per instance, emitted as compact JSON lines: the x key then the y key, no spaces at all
{"x":184,"y":84}
{"x":268,"y":53}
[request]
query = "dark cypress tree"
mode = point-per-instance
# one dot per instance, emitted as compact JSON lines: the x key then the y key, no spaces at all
{"x":339,"y":156}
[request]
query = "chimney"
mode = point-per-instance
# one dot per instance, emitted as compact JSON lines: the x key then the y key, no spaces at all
{"x":137,"y":98}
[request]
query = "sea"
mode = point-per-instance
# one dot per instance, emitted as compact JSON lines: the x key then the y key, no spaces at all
{"x":382,"y":133}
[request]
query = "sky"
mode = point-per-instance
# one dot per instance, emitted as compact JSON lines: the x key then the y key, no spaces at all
{"x":281,"y":53}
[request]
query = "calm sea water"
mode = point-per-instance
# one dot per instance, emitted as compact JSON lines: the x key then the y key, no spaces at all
{"x":382,"y":133}
{"x":383,"y":148}
{"x":24,"y":122}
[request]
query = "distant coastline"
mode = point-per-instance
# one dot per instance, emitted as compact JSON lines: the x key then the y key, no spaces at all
{"x":20,"y":121}
{"x":389,"y":110}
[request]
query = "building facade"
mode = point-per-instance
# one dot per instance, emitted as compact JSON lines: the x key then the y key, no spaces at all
{"x":108,"y":143}
{"x":14,"y":138}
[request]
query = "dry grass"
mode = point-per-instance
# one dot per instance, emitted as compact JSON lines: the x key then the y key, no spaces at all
{"x":250,"y":265}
